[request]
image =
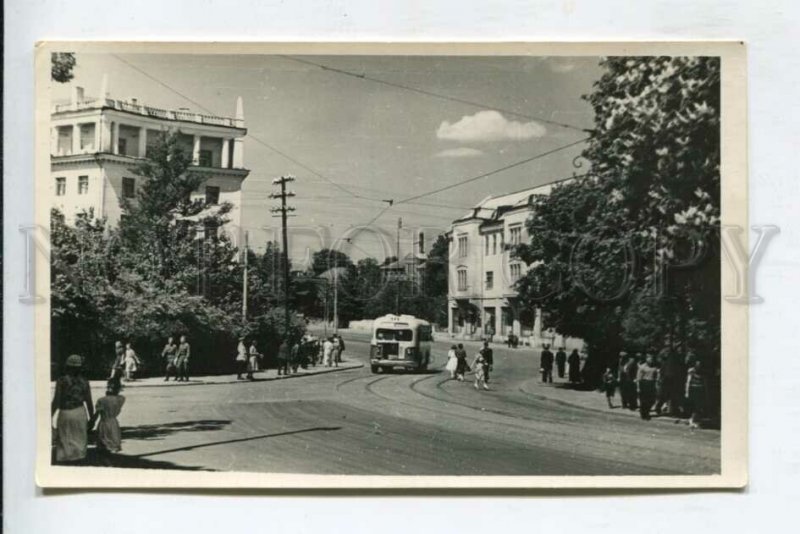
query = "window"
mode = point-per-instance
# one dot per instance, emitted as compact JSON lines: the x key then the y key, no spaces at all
{"x":386,"y":334}
{"x":129,"y":187}
{"x":516,"y":271}
{"x":83,"y":185}
{"x":486,"y":243}
{"x":516,"y":235}
{"x":61,"y":186}
{"x":494,"y":243}
{"x":489,"y":279}
{"x":212,"y":194}
{"x":122,"y":146}
{"x":205,"y":158}
{"x":87,"y":136}
{"x":462,"y":246}
{"x":462,"y":279}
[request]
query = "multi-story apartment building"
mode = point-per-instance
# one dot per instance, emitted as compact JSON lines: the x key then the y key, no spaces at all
{"x":482,"y":301}
{"x":95,"y":142}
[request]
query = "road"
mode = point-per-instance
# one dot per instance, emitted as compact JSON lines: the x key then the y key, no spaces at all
{"x":354,"y":422}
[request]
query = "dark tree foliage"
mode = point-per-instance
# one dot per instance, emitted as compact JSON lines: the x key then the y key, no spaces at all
{"x":627,"y":256}
{"x":62,"y":64}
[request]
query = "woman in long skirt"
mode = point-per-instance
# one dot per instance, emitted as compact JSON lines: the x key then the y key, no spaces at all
{"x":452,"y":362}
{"x":73,"y":402}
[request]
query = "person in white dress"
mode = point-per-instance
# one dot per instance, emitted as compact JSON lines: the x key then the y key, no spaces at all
{"x":132,"y":362}
{"x":327,"y":352}
{"x":452,"y":362}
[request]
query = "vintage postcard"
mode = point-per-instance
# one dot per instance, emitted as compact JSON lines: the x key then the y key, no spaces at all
{"x":396,"y":266}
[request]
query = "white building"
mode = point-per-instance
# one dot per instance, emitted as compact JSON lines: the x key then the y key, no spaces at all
{"x":95,"y":142}
{"x":482,"y":301}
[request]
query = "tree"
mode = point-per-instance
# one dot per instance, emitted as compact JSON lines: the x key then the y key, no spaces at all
{"x":62,"y":64}
{"x":605,"y":247}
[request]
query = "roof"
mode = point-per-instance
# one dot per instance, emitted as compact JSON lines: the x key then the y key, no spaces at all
{"x":397,"y":265}
{"x":329,"y":274}
{"x":489,"y":206}
{"x":391,"y":320}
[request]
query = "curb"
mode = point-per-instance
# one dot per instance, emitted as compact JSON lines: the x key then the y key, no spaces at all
{"x":101,"y":384}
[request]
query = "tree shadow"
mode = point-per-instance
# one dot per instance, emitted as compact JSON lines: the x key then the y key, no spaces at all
{"x":158,"y":431}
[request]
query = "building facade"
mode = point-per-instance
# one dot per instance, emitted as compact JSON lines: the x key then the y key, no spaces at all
{"x":95,"y":142}
{"x":482,"y":302}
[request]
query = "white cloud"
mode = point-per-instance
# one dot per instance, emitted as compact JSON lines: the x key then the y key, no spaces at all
{"x":561,"y":65}
{"x":489,"y":126}
{"x":460,"y":152}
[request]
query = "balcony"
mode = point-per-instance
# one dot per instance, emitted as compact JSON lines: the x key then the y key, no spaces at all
{"x":148,"y":111}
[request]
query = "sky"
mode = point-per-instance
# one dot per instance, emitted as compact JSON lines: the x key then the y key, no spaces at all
{"x":352,"y":142}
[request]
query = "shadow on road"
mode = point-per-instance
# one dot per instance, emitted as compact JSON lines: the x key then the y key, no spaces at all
{"x":147,"y":432}
{"x":240,"y":440}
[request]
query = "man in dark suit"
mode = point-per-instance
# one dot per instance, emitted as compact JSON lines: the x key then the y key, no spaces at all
{"x":546,"y":364}
{"x":561,"y":362}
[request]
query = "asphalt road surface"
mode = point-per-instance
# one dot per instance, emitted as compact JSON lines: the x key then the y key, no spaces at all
{"x":354,"y":422}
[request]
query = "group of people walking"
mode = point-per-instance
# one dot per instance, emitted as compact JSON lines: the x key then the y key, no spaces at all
{"x":646,"y":384}
{"x":482,"y":364}
{"x":176,"y":359}
{"x":78,"y":416}
{"x":290,"y":356}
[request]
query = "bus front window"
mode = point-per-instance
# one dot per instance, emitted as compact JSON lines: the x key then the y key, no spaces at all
{"x":385,"y":334}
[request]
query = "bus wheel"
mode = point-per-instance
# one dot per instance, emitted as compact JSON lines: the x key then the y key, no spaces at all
{"x":375,"y":369}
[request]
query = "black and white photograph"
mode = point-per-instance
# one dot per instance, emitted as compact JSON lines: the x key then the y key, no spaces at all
{"x":383,"y":266}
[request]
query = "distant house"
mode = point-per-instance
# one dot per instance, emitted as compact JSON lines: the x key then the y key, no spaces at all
{"x":410,"y":267}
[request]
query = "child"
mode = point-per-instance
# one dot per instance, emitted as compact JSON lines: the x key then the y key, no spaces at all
{"x":609,"y":385}
{"x":109,"y":436}
{"x":132,"y":363}
{"x":479,"y":364}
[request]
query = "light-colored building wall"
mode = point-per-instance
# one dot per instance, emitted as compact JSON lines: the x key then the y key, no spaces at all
{"x":484,"y":310}
{"x":103,"y":138}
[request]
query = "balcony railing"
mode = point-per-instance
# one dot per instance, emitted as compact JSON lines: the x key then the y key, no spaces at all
{"x":149,"y":111}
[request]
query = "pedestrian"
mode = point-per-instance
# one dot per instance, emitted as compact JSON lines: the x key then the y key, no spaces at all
{"x":461,"y":365}
{"x":646,"y":378}
{"x":73,"y":402}
{"x":341,"y":347}
{"x":294,"y":356}
{"x":336,"y":351}
{"x":169,"y":354}
{"x":574,"y":362}
{"x":109,"y":435}
{"x":479,"y":364}
{"x":609,"y":386}
{"x":132,"y":363}
{"x":241,"y":358}
{"x":561,"y":362}
{"x":695,"y":393}
{"x":488,"y":355}
{"x":327,"y":350}
{"x":452,"y":362}
{"x":283,"y":358}
{"x":546,"y":364}
{"x":252,"y":360}
{"x":627,"y":383}
{"x":118,"y":367}
{"x":182,"y":361}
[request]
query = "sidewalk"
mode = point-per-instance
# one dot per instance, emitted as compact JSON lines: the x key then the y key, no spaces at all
{"x":260,"y":376}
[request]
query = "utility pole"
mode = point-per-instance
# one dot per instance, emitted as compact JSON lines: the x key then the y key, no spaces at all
{"x":284,"y":210}
{"x":399,"y":264}
{"x":336,"y":297}
{"x":244,"y":277}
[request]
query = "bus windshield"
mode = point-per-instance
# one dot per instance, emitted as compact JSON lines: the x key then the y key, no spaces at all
{"x":385,"y":334}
